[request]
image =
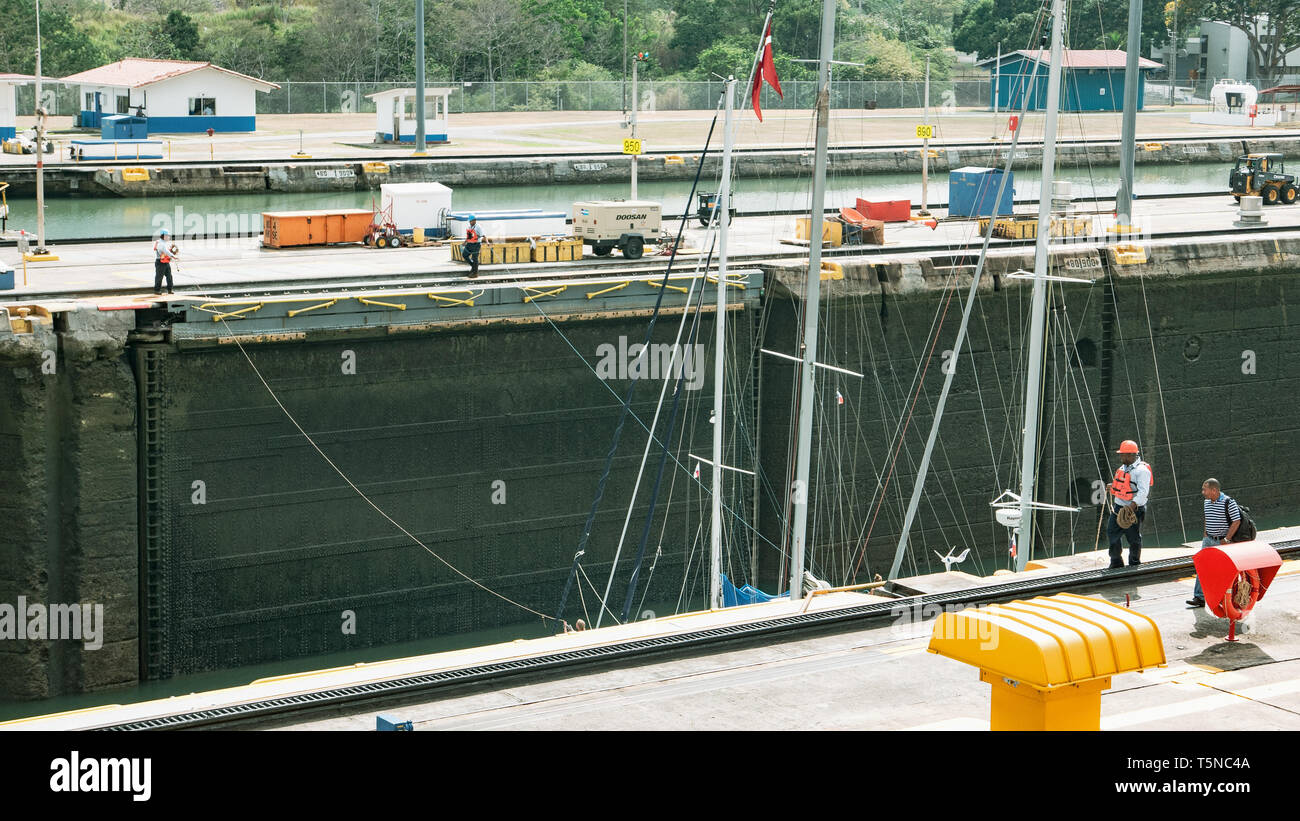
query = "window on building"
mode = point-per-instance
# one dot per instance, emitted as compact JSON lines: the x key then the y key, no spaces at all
{"x":203,"y":106}
{"x":124,"y":104}
{"x":90,"y":101}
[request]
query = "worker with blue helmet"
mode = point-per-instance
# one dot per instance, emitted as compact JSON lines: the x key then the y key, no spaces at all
{"x":472,"y":246}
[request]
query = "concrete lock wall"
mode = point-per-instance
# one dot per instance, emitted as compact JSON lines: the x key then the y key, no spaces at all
{"x":68,"y":499}
{"x":264,"y":568}
{"x":259,"y":561}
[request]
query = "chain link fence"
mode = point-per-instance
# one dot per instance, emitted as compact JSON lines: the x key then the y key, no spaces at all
{"x":607,"y":95}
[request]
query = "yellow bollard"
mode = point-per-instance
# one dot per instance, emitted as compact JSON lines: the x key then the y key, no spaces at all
{"x":1049,"y":659}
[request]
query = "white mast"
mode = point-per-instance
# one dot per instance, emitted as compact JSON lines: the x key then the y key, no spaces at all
{"x":720,"y":213}
{"x":1037,"y":328}
{"x":799,"y":492}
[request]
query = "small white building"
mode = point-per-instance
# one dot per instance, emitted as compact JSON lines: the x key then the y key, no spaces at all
{"x":177,"y":96}
{"x":8,"y":106}
{"x":395,"y":115}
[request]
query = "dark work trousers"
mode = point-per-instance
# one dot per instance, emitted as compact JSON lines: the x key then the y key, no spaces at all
{"x":1133,"y":534}
{"x":470,"y":251}
{"x":160,"y":270}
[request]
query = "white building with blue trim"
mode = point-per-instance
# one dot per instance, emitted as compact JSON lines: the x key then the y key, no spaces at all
{"x":177,"y":96}
{"x":8,"y":107}
{"x":395,"y":115}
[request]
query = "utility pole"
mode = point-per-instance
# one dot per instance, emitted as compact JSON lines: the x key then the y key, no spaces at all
{"x":635,"y":59}
{"x":625,"y":66}
{"x":1128,"y":132}
{"x":419,"y":80}
{"x":1173,"y":57}
{"x":925,"y":146}
{"x":41,"y":252}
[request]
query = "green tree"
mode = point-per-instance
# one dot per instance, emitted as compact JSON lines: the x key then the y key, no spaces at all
{"x":1016,"y":24}
{"x":183,"y":33}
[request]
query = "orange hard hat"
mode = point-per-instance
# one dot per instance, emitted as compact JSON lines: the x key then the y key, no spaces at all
{"x":1128,"y":446}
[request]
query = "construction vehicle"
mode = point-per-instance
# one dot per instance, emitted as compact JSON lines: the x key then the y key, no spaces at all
{"x":1262,"y":175}
{"x":622,"y":224}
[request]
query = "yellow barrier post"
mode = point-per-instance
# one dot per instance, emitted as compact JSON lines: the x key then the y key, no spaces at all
{"x":1049,"y":659}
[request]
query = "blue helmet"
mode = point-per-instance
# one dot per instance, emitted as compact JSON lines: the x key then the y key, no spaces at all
{"x":472,"y":218}
{"x":164,"y":232}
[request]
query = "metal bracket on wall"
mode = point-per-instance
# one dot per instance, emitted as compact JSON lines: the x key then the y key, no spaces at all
{"x":537,"y":293}
{"x":297,"y":311}
{"x":593,"y":294}
{"x":447,"y":302}
{"x":394,"y":305}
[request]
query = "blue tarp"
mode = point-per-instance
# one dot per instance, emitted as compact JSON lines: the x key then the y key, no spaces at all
{"x":733,"y":596}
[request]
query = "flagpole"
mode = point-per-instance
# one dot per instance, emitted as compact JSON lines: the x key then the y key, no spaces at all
{"x":758,"y":53}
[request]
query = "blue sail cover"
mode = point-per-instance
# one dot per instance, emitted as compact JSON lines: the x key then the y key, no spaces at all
{"x":733,"y":596}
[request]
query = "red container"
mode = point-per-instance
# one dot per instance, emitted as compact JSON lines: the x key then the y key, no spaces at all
{"x":285,"y":229}
{"x":888,"y":211}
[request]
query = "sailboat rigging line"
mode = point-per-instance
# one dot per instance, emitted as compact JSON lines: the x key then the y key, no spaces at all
{"x":235,"y":338}
{"x":663,"y":458}
{"x":1164,"y":415}
{"x":631,"y":388}
{"x":654,"y":425}
{"x":680,"y":465}
{"x":934,"y":343}
{"x":962,"y":328}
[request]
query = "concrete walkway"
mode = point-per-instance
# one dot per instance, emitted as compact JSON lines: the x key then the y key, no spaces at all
{"x":882,"y":679}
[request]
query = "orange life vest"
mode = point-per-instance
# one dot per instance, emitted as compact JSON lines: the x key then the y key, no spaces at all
{"x":164,"y":258}
{"x":1124,"y":484}
{"x":472,"y":235}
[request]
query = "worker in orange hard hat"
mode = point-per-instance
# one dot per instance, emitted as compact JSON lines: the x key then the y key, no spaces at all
{"x":1128,"y":504}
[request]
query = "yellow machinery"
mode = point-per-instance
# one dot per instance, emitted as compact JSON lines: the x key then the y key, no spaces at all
{"x":1048,"y":659}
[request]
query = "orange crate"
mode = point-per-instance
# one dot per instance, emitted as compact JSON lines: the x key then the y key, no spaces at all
{"x":286,"y":229}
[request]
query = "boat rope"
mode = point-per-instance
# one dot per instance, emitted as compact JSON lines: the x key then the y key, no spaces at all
{"x":360,"y":492}
{"x":672,"y":426}
{"x":631,"y":388}
{"x":654,"y":425}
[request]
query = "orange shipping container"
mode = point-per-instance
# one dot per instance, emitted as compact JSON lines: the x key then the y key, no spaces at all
{"x":285,"y":229}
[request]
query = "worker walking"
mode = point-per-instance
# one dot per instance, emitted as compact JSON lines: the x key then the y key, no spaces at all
{"x":1222,"y":518}
{"x":1129,"y":493}
{"x":164,"y":251}
{"x":470,"y":250}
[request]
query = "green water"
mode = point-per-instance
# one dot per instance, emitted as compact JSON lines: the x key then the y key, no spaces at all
{"x":113,"y":217}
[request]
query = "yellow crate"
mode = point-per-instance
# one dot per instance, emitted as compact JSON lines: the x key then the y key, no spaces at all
{"x":1070,"y":226}
{"x":557,"y":250}
{"x":495,"y":253}
{"x":831,"y":231}
{"x":1016,"y":229}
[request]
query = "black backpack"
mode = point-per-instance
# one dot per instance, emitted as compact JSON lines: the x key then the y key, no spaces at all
{"x":1246,"y":530}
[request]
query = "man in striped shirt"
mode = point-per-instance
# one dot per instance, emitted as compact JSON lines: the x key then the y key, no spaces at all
{"x":1222,"y":518}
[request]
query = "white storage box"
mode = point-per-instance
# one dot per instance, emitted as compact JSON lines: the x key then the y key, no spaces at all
{"x":416,"y":205}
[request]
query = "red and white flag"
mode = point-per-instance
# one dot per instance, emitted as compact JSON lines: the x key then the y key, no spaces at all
{"x":697,"y":470}
{"x":765,"y":69}
{"x":839,"y":398}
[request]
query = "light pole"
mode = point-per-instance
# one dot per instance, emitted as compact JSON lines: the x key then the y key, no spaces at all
{"x":419,"y":80}
{"x":41,"y":252}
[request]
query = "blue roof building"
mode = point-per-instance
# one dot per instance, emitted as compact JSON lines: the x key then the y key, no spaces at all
{"x":1091,"y":79}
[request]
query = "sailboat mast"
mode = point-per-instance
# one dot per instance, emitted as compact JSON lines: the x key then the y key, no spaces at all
{"x":1037,"y":329}
{"x":811,"y":305}
{"x":721,"y":213}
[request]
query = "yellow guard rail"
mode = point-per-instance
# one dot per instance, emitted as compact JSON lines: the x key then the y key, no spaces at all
{"x":1048,"y":659}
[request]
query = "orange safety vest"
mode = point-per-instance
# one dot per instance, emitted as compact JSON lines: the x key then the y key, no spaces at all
{"x":472,"y":235}
{"x":165,"y":258}
{"x":1124,"y":489}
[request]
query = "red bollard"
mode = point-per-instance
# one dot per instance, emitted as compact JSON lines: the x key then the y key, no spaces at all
{"x":1225,"y":571}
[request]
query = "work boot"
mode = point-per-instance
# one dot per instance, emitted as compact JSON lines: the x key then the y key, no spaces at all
{"x":1194,"y":602}
{"x":1116,"y":566}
